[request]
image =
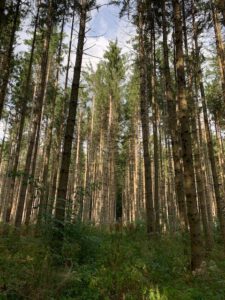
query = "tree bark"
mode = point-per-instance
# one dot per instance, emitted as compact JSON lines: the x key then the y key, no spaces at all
{"x":173,"y":129}
{"x":7,"y":61}
{"x":217,"y":187}
{"x":186,"y":141}
{"x":219,"y":46}
{"x":150,"y":217}
{"x":44,"y":195}
{"x":71,"y":120}
{"x":22,"y":120}
{"x":37,"y":112}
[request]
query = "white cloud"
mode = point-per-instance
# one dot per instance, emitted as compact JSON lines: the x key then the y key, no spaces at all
{"x":108,"y":26}
{"x":105,"y":26}
{"x":95,"y":50}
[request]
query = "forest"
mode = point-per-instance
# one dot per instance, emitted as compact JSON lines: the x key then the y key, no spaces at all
{"x":112,"y":169}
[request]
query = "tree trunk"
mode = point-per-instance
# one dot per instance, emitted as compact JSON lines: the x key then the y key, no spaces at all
{"x":71,"y":120}
{"x":195,"y":138}
{"x":189,"y":177}
{"x":2,"y":14}
{"x":219,"y":46}
{"x":7,"y":62}
{"x":173,"y":129}
{"x":217,"y":188}
{"x":150,"y":217}
{"x":22,"y":121}
{"x":44,"y":195}
{"x":37,"y":112}
{"x":31,"y":191}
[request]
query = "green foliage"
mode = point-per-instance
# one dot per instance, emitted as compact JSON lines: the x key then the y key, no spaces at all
{"x":214,"y":99}
{"x":97,"y":264}
{"x":25,"y":268}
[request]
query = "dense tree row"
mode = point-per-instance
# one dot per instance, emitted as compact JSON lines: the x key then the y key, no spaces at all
{"x":125,"y":142}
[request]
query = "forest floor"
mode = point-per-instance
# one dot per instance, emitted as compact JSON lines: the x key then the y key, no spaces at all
{"x":96,"y":264}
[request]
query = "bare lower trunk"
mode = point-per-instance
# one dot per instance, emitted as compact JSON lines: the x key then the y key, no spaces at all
{"x":22,"y":122}
{"x":186,"y":141}
{"x":173,"y":129}
{"x":37,"y":112}
{"x":150,"y":218}
{"x":216,"y":183}
{"x":71,"y":121}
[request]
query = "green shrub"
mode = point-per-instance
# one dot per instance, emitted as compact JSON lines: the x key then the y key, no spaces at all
{"x":99,"y":265}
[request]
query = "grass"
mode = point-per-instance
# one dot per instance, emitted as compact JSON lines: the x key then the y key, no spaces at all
{"x":96,"y":264}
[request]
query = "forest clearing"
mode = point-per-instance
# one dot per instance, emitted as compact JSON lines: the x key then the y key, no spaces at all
{"x":112,"y":149}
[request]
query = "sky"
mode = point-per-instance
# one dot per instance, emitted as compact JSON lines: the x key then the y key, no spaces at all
{"x":104,"y":26}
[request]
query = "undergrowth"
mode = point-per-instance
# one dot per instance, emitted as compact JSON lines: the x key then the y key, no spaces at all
{"x":97,"y":264}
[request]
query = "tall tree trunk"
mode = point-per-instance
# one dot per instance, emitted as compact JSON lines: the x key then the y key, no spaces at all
{"x":76,"y":178}
{"x":220,"y":157}
{"x":150,"y":217}
{"x":2,"y":14}
{"x":44,"y":195}
{"x":37,"y":113}
{"x":22,"y":120}
{"x":31,"y":191}
{"x":2,"y":146}
{"x":89,"y":167}
{"x":217,"y":188}
{"x":155,"y":110}
{"x":8,"y":59}
{"x":219,"y":46}
{"x":209,"y":198}
{"x":57,"y":156}
{"x":173,"y":129}
{"x":71,"y":120}
{"x":7,"y":167}
{"x":189,"y":177}
{"x":195,"y":138}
